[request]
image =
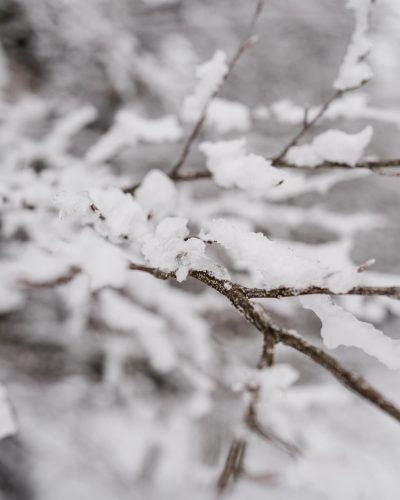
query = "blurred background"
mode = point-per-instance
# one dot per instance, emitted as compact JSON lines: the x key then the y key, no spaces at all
{"x":81,"y":435}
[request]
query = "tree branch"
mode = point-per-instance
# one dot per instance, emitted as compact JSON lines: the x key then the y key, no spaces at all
{"x":245,"y":43}
{"x":248,"y":292}
{"x":353,"y":382}
{"x":370,"y":165}
{"x":307,"y":124}
{"x":282,"y":292}
{"x":240,"y":299}
{"x":194,"y":175}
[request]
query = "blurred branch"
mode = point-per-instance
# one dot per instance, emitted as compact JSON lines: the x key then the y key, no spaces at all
{"x":233,"y":465}
{"x":248,"y":292}
{"x":246,"y":42}
{"x":307,"y":124}
{"x":269,"y":435}
{"x":240,"y":298}
{"x":279,"y":163}
{"x":52,"y":283}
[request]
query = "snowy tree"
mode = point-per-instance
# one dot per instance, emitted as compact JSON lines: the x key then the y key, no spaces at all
{"x":162,"y":273}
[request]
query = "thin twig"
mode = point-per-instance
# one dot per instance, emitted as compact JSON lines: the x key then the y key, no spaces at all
{"x":52,"y":283}
{"x":307,"y":124}
{"x":233,"y":464}
{"x":269,"y":435}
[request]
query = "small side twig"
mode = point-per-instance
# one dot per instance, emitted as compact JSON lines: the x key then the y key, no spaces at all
{"x":233,"y":464}
{"x":308,"y":123}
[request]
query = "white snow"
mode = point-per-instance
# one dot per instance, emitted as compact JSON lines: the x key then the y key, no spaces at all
{"x":276,"y":378}
{"x":354,"y":70}
{"x":287,"y":112}
{"x":338,"y":146}
{"x":122,"y":314}
{"x":71,"y":203}
{"x":124,"y":217}
{"x":303,"y":156}
{"x":272,"y":263}
{"x":231,"y":166}
{"x":340,"y":327}
{"x":58,"y":140}
{"x":228,"y":116}
{"x":104,"y":263}
{"x":157,"y":194}
{"x":169,"y":249}
{"x":210,"y":76}
{"x":332,"y":146}
{"x":8,"y":425}
{"x":11,"y":297}
{"x":130,"y":128}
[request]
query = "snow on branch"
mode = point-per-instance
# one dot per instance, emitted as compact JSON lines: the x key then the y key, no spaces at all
{"x":210,"y":76}
{"x":333,"y":146}
{"x":231,"y":166}
{"x":70,"y":222}
{"x":130,"y":128}
{"x":339,"y":327}
{"x":354,"y":70}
